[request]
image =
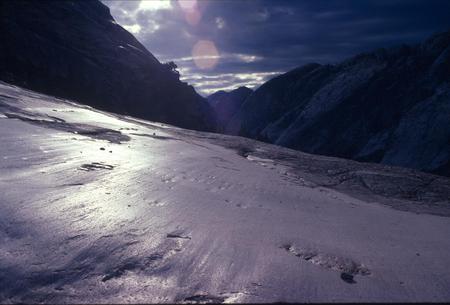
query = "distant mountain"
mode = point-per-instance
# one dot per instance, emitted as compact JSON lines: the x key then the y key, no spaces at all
{"x":390,"y":106}
{"x":226,"y":104}
{"x":75,"y":50}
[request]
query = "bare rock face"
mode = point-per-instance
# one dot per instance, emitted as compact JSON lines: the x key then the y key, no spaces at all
{"x":226,"y":104}
{"x":75,"y":50}
{"x":389,"y":106}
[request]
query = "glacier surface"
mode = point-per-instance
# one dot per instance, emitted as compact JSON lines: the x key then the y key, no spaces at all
{"x":97,"y":207}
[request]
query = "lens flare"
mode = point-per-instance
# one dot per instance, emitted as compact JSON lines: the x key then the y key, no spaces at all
{"x":205,"y":54}
{"x":193,"y":17}
{"x":191,"y":10}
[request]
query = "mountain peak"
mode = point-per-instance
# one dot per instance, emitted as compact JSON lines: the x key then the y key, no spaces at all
{"x":391,"y":106}
{"x":226,"y":104}
{"x":75,"y":50}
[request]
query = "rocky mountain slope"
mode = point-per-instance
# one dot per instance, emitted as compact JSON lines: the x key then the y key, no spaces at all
{"x":98,"y":207}
{"x":75,"y":49}
{"x":390,"y":106}
{"x":226,"y":104}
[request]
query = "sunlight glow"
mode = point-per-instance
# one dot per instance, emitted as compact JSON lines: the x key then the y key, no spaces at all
{"x":188,"y":4}
{"x":154,"y":5}
{"x":248,"y":58}
{"x":135,"y":28}
{"x":208,"y":84}
{"x":234,"y":57}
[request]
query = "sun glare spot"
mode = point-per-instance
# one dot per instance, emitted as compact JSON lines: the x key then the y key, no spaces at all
{"x":188,"y":4}
{"x":154,"y":5}
{"x":135,"y":28}
{"x":205,"y":54}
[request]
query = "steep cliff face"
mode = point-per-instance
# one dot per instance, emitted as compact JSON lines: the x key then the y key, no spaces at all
{"x":75,"y":50}
{"x":226,"y":104}
{"x":390,"y":106}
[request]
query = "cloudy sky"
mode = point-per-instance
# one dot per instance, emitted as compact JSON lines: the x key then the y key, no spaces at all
{"x":223,"y":44}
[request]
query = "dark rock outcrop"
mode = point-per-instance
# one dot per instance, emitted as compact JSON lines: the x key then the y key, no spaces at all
{"x":75,"y":50}
{"x":390,"y":106}
{"x":226,"y":104}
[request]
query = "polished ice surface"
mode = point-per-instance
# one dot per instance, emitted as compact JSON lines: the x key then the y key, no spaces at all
{"x":96,"y":207}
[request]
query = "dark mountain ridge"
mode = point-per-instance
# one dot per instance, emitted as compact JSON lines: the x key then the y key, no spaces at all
{"x":226,"y":104}
{"x":390,"y":106}
{"x":75,"y":50}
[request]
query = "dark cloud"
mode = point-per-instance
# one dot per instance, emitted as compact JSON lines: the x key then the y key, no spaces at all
{"x":257,"y":39}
